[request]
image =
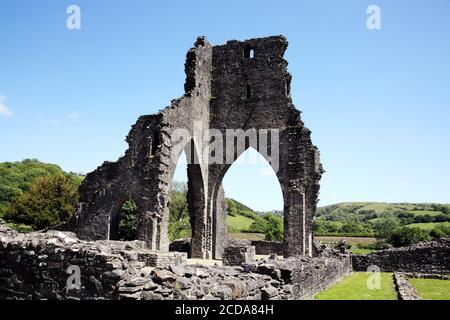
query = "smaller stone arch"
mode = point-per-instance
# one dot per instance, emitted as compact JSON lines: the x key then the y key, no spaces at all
{"x":115,"y":217}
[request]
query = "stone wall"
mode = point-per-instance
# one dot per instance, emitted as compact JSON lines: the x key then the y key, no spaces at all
{"x":237,"y":255}
{"x":35,"y":266}
{"x":263,"y":247}
{"x":430,"y":257}
{"x":404,"y":289}
{"x":317,"y":274}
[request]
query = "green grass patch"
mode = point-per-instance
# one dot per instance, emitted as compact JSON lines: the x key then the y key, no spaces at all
{"x":356,"y":250}
{"x":20,"y":227}
{"x":425,"y":212}
{"x":246,"y":236}
{"x":354,"y":241}
{"x":428,"y":225}
{"x":239,"y":223}
{"x":432,"y":289}
{"x":377,"y":207}
{"x":355,"y":287}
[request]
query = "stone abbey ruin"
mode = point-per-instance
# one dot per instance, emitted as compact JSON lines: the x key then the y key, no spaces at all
{"x":244,"y":86}
{"x":241,"y":86}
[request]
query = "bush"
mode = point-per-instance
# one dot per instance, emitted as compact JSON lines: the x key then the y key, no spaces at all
{"x":440,"y":231}
{"x":274,"y":230}
{"x":406,"y":236}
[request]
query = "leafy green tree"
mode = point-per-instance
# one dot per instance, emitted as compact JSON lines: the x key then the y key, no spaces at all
{"x":406,"y":236}
{"x":351,"y":228}
{"x":274,"y":230}
{"x":128,"y":221}
{"x":17,"y":177}
{"x":232,"y":208}
{"x":385,"y":226}
{"x":179,"y":220}
{"x":49,"y":201}
{"x":259,"y":225}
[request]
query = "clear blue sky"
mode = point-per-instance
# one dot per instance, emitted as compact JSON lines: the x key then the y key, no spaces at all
{"x":377,"y":102}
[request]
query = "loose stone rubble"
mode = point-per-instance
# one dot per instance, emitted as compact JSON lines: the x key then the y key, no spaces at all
{"x":405,"y":290}
{"x":34,"y":266}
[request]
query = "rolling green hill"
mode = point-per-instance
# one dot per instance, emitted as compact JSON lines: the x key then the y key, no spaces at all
{"x":361,"y":218}
{"x":428,"y":226}
{"x":239,"y":223}
{"x":366,"y":211}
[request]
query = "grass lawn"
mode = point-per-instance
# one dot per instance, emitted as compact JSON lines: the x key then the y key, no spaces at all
{"x":356,"y":250}
{"x":355,"y":287}
{"x":376,"y":206}
{"x":432,"y":289}
{"x":428,"y":226}
{"x":246,"y":236}
{"x":350,"y":240}
{"x":424,"y":212}
{"x":239,"y":223}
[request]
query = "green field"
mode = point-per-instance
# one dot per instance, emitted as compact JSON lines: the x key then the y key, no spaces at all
{"x":350,"y":240}
{"x":425,"y":212}
{"x":428,"y":226}
{"x":356,"y":250}
{"x":246,"y":236}
{"x":355,"y":287}
{"x":432,"y":289}
{"x":239,"y":223}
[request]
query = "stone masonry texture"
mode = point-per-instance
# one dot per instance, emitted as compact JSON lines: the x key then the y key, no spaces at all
{"x":429,"y":257}
{"x":36,"y":266}
{"x":241,"y":85}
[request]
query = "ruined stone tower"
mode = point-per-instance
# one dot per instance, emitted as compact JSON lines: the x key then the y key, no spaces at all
{"x":242,"y":86}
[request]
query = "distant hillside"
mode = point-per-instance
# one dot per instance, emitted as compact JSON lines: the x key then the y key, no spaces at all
{"x":363,"y":215}
{"x":235,"y":207}
{"x":256,"y":225}
{"x":365,"y":211}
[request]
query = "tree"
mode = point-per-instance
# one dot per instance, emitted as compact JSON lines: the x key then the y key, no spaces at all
{"x":17,"y":177}
{"x":384,"y":227}
{"x":231,"y":208}
{"x":179,"y":220}
{"x":274,"y":230}
{"x":406,"y":236}
{"x":49,"y":201}
{"x":128,"y":221}
{"x":259,"y":225}
{"x":351,"y":228}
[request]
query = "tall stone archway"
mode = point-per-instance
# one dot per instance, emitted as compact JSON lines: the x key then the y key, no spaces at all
{"x":238,"y":87}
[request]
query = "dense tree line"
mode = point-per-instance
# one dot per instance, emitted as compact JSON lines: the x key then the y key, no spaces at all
{"x":389,"y":230}
{"x":36,"y":195}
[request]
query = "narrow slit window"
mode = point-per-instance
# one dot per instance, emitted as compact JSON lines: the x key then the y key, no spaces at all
{"x":249,"y":53}
{"x":287,"y":85}
{"x":249,"y":91}
{"x":155,"y":143}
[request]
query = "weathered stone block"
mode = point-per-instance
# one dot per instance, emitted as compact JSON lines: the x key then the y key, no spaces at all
{"x":237,"y":255}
